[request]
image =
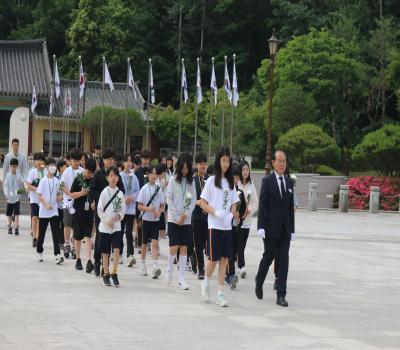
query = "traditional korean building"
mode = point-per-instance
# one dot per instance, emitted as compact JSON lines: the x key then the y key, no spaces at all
{"x":24,"y":64}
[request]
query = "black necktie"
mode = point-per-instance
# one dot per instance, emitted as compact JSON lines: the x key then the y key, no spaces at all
{"x":283,"y":192}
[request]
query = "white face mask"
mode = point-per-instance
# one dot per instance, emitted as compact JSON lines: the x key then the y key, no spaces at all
{"x":52,"y":169}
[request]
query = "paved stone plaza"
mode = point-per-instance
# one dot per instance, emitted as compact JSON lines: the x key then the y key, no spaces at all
{"x":343,"y":293}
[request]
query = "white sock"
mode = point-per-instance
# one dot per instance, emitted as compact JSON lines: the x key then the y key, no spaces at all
{"x":143,"y":262}
{"x":171,"y":259}
{"x":155,"y":264}
{"x":182,"y":268}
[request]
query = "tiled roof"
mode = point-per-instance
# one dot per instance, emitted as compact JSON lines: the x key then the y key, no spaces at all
{"x":24,"y":63}
{"x":93,"y":98}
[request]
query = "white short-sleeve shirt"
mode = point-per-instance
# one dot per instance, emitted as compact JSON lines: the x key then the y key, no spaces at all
{"x":67,"y":178}
{"x":144,"y":196}
{"x":219,"y":199}
{"x":48,"y":188}
{"x":33,"y":175}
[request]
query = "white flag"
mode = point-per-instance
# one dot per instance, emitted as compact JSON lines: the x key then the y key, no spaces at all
{"x":82,"y":81}
{"x":198,"y":85}
{"x":152,"y":93}
{"x":131,"y":81}
{"x":107,"y":77}
{"x":214,"y":88}
{"x":67,"y":103}
{"x":235,"y":86}
{"x":57,"y":83}
{"x":227,"y":83}
{"x":184,"y":84}
{"x":34,"y":99}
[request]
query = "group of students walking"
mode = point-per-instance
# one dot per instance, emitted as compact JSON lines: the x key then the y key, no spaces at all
{"x":205,"y":211}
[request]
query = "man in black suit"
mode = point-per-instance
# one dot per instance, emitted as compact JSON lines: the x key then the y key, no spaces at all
{"x":275,"y":225}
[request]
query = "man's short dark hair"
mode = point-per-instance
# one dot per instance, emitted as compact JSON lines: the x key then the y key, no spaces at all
{"x":108,"y":153}
{"x":97,"y":147}
{"x":14,"y":161}
{"x":76,"y":153}
{"x":90,"y":164}
{"x":39,"y":156}
{"x":161,"y":168}
{"x":60,"y":164}
{"x":50,"y":160}
{"x":14,"y":141}
{"x":201,"y":157}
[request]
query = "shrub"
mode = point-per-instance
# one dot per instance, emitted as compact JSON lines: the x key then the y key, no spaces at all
{"x":326,"y":170}
{"x":380,"y":151}
{"x":307,"y":147}
{"x":359,"y":189}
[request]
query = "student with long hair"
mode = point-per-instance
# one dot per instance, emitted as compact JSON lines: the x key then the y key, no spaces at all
{"x":181,"y":201}
{"x":250,"y":193}
{"x":219,"y":200}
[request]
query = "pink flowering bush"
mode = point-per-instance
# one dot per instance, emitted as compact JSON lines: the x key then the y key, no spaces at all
{"x":359,"y":189}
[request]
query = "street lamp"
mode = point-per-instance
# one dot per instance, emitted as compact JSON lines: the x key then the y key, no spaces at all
{"x":273,"y":43}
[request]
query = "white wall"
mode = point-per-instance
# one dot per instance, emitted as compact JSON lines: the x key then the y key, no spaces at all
{"x":19,"y":128}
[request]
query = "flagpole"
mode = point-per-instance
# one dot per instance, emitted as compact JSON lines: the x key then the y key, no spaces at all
{"x":63,"y":129}
{"x":210,"y":116}
{"x":148,"y":108}
{"x":233,"y":107}
{"x":79,"y":100}
{"x":102,"y":106}
{"x":33,"y":112}
{"x":180,"y":114}
{"x":196,"y":114}
{"x":126,"y":106}
{"x":52,"y":107}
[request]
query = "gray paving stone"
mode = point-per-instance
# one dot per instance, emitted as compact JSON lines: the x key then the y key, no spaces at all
{"x":343,"y":289}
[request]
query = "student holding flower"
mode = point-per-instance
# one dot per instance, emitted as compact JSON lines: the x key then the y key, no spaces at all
{"x":111,"y":210}
{"x":219,"y":199}
{"x":181,"y":200}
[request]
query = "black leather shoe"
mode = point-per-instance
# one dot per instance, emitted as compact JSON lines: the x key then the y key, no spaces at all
{"x":281,"y":301}
{"x":259,"y":291}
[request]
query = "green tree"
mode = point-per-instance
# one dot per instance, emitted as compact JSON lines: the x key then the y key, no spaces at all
{"x":380,"y":151}
{"x":292,"y":106}
{"x":307,"y":147}
{"x":113,"y":125}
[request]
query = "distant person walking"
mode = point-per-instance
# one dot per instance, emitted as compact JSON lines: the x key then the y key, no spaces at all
{"x":22,"y":162}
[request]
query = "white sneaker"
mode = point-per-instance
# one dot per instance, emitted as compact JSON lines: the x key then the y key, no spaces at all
{"x":243,"y":272}
{"x":131,"y":262}
{"x":168,"y":277}
{"x":183,"y":286}
{"x":235,"y":281}
{"x":59,"y":259}
{"x":156,"y":273}
{"x":39,"y":257}
{"x":143,"y":270}
{"x":121,"y":260}
{"x":221,"y":300}
{"x":205,"y":291}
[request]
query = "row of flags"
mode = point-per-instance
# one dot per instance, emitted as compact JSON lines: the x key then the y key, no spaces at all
{"x":232,"y":92}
